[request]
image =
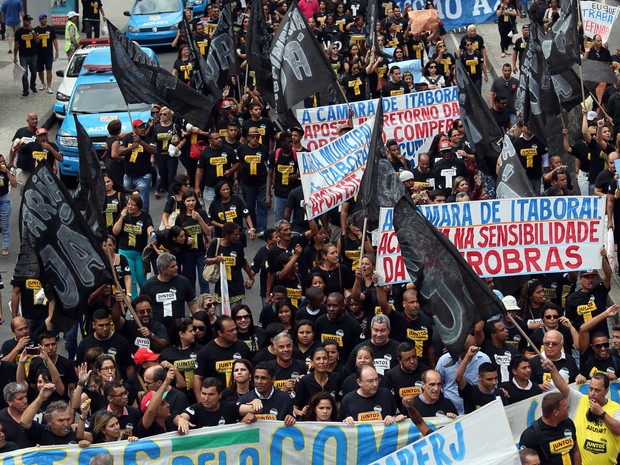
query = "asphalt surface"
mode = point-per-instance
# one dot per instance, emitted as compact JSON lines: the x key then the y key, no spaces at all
{"x":14,"y":110}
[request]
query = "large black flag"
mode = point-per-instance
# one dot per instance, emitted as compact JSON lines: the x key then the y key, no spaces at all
{"x":91,"y":187}
{"x":71,"y":260}
{"x":481,"y":129}
{"x":380,"y":186}
{"x":222,"y":58}
{"x":201,"y":73}
{"x":560,"y":46}
{"x":448,"y":288}
{"x":140,"y":79}
{"x":372,"y":16}
{"x":512,"y":181}
{"x":299,"y":67}
{"x":258,"y":46}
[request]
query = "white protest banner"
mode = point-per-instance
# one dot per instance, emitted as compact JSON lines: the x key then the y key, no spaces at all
{"x":390,"y":264}
{"x":331,"y":174}
{"x":524,"y":236}
{"x":413,"y":66}
{"x":409,"y":119}
{"x":598,"y":18}
{"x":482,"y":438}
{"x":263,"y":442}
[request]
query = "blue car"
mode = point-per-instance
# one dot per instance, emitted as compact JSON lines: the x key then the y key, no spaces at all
{"x":97,"y":100}
{"x":156,"y":22}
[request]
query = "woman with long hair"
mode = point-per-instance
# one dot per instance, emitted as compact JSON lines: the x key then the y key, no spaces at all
{"x":304,"y":337}
{"x":166,"y":135}
{"x":285,"y":311}
{"x":531,"y":302}
{"x":229,"y":208}
{"x":337,"y":276}
{"x":350,"y":243}
{"x":180,"y":185}
{"x":240,"y":382}
{"x":322,"y":407}
{"x":194,"y":221}
{"x":319,"y":380}
{"x":432,"y":77}
{"x":203,"y":329}
{"x":247,"y":332}
{"x":183,"y":67}
{"x":106,"y":427}
{"x":90,"y":382}
{"x":133,"y":230}
{"x":115,"y":201}
{"x":120,"y":264}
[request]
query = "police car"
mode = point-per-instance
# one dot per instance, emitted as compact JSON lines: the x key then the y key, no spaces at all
{"x":156,"y":22}
{"x":70,"y":74}
{"x":97,"y":100}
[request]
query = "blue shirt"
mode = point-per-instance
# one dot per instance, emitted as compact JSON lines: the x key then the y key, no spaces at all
{"x":12,"y":10}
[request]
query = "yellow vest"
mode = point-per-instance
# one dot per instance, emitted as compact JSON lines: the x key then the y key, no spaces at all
{"x":68,"y":42}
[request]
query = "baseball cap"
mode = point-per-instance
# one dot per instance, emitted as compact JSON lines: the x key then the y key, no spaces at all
{"x":41,"y":131}
{"x":591,"y":115}
{"x":41,"y":16}
{"x":72,"y":14}
{"x":525,"y":26}
{"x":27,"y":18}
{"x":146,"y":400}
{"x":253,"y":131}
{"x":226,"y":104}
{"x":510,"y":303}
{"x":144,"y":355}
{"x":445,"y":145}
{"x":406,"y":176}
{"x":588,"y":272}
{"x":137,"y":123}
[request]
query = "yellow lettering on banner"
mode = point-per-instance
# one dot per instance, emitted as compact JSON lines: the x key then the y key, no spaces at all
{"x":409,"y":391}
{"x":472,"y":65}
{"x":44,"y":38}
{"x":338,"y":339}
{"x":369,"y":416}
{"x":253,"y":161}
{"x":265,"y":416}
{"x":135,"y":152}
{"x":28,"y":39}
{"x":230,"y":215}
{"x":561,"y":446}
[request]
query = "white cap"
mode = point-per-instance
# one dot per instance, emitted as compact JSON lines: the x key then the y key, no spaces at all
{"x":188,"y":127}
{"x":510,"y":303}
{"x":405,"y":176}
{"x":72,"y":14}
{"x":591,"y":115}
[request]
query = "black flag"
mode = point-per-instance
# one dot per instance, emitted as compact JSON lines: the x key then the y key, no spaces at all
{"x":258,"y":45}
{"x":483,"y":132}
{"x":222,"y":58}
{"x":448,"y":288}
{"x":200,"y":76}
{"x":90,"y":193}
{"x":560,"y":46}
{"x":71,"y":260}
{"x":300,"y":67}
{"x":512,"y":181}
{"x":372,"y":16}
{"x":140,"y":79}
{"x":380,"y":186}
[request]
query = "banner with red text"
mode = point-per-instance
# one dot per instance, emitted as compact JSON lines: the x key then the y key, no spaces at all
{"x":598,"y":18}
{"x":409,"y":119}
{"x":526,"y":235}
{"x":331,"y":174}
{"x":390,"y":264}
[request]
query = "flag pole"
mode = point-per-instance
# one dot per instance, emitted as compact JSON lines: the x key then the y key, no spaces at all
{"x":523,"y":333}
{"x":583,"y":93}
{"x":363,"y":237}
{"x":129,"y":113}
{"x":605,"y":114}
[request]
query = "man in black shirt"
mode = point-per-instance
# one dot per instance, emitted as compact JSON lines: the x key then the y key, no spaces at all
{"x":265,"y":402}
{"x":597,"y":51}
{"x":475,"y":396}
{"x":11,"y":348}
{"x":210,"y":411}
{"x":530,"y":151}
{"x":16,"y":396}
{"x":22,"y":137}
{"x":253,"y":158}
{"x":47,"y":49}
{"x":394,"y":86}
{"x":518,"y":51}
{"x":422,"y":174}
{"x":91,"y":22}
{"x":496,"y":346}
{"x":49,"y":342}
{"x":154,"y":378}
{"x":266,"y":129}
{"x":118,"y":403}
{"x":34,"y":153}
{"x":383,"y":347}
{"x":26,"y":40}
{"x":447,"y":168}
{"x":283,"y":175}
{"x":287,"y":369}
{"x":432,"y":401}
{"x":405,"y":379}
{"x":590,"y":300}
{"x":138,"y":152}
{"x":151,"y":334}
{"x":57,"y":428}
{"x":338,"y":325}
{"x":520,"y":387}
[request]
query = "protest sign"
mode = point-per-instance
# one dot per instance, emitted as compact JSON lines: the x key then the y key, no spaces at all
{"x":455,"y":14}
{"x":409,"y":119}
{"x":470,"y":439}
{"x":390,"y":265}
{"x":332,"y":174}
{"x":598,"y":18}
{"x":413,"y":66}
{"x":524,"y":236}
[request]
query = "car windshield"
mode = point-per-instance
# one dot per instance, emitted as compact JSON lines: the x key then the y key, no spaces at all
{"x":101,"y":98}
{"x":76,"y":65}
{"x":153,"y":7}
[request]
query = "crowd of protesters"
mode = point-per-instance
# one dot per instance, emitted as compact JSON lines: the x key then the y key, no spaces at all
{"x":330,"y":343}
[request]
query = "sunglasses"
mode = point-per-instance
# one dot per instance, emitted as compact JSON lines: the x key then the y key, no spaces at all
{"x":551,"y":317}
{"x":551,"y":344}
{"x":199,"y":328}
{"x":243,"y":317}
{"x":602,"y":345}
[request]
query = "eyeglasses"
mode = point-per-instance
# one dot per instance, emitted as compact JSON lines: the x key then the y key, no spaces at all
{"x":432,"y":66}
{"x":551,"y":317}
{"x":460,"y":126}
{"x":122,"y":394}
{"x":551,"y":344}
{"x":243,"y":317}
{"x":602,"y":345}
{"x":147,"y":383}
{"x":199,"y":328}
{"x":210,"y":304}
{"x":107,"y":368}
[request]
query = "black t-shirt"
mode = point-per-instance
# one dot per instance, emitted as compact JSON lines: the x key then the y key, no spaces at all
{"x":546,"y":435}
{"x":473,"y":64}
{"x":185,"y":70}
{"x":581,"y":306}
{"x":517,"y":394}
{"x":530,"y":154}
{"x":346,"y":332}
{"x":63,"y":365}
{"x":355,"y":86}
{"x":384,"y":356}
{"x":283,"y":374}
{"x":276,"y":251}
{"x":233,"y":211}
{"x":169,"y":298}
{"x":603,"y":180}
{"x":336,"y":280}
{"x":25,"y":39}
{"x":404,"y":384}
{"x":90,"y":9}
{"x":277,"y":407}
{"x":134,"y":232}
{"x":598,"y":157}
{"x":116,"y":345}
{"x":47,"y":35}
{"x":137,"y":162}
{"x":226,"y":414}
{"x":41,"y":435}
{"x":394,"y":88}
{"x":566,"y":366}
{"x":214,"y":164}
{"x":155,"y":428}
{"x":296,"y":203}
{"x":13,"y":430}
{"x":419,"y":332}
{"x":445,"y":171}
{"x":131,"y":333}
{"x":285,"y":167}
{"x":214,"y":360}
{"x":500,"y":358}
{"x":253,"y":164}
{"x":265,"y":128}
{"x":581,"y":151}
{"x":234,"y":258}
{"x":32,"y":154}
{"x":28,"y":288}
{"x":308,"y":387}
{"x":474,"y":398}
{"x":376,"y":407}
{"x":443,"y":406}
{"x":113,"y":205}
{"x":162,"y":136}
{"x":590,"y":365}
{"x":194,"y":230}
